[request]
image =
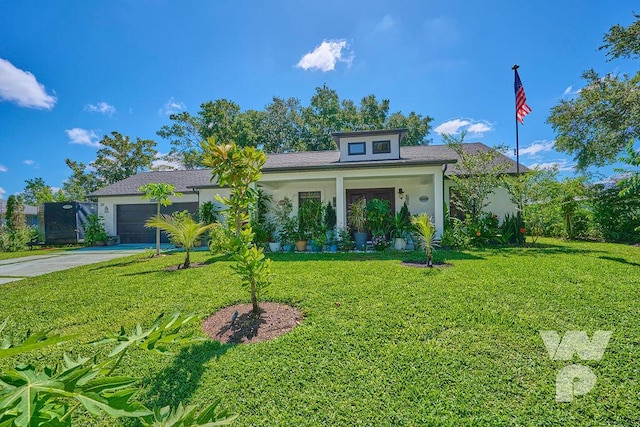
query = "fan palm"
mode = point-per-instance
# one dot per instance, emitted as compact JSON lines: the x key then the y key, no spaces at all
{"x":180,"y":229}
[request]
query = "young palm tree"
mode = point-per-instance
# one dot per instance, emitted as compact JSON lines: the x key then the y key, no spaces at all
{"x":161,"y":192}
{"x":426,"y":234}
{"x":181,"y":229}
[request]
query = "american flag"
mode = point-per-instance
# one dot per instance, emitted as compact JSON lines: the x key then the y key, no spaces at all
{"x":522,"y":109}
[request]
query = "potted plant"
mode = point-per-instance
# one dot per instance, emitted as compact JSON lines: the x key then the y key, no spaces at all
{"x":378,"y":216}
{"x":344,"y":242}
{"x":399,"y":228}
{"x":358,"y":218}
{"x":287,"y":224}
{"x":274,"y":238}
{"x":330,"y":220}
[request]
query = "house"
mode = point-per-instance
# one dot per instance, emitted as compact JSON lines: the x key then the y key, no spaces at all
{"x":30,"y":213}
{"x":367,"y":164}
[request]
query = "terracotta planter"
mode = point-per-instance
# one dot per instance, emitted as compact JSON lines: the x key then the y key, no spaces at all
{"x":301,"y":245}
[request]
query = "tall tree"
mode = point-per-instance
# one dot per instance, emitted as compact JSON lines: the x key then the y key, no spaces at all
{"x":184,"y":136}
{"x":602,"y":120}
{"x":285,"y":125}
{"x":418,"y":127}
{"x":373,"y":114}
{"x":120,"y":158}
{"x":81,"y":183}
{"x":281,"y":128}
{"x":321,"y":118}
{"x":36,"y":191}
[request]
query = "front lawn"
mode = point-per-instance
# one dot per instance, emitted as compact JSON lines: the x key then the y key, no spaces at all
{"x":35,"y":251}
{"x":381,"y":344}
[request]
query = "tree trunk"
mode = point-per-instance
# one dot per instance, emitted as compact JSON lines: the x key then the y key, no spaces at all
{"x":158,"y":232}
{"x":187,"y":259}
{"x":254,"y":300}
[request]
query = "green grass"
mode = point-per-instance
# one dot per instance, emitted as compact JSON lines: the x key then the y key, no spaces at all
{"x":452,"y":346}
{"x":35,"y":251}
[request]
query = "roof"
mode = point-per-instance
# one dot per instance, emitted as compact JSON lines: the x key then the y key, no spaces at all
{"x":188,"y":180}
{"x":364,"y":133}
{"x":473,"y":147}
{"x":28,"y":209}
{"x":183,"y":181}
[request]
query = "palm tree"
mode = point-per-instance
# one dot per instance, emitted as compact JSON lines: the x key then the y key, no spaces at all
{"x":161,"y":193}
{"x":426,"y":234}
{"x":181,"y":229}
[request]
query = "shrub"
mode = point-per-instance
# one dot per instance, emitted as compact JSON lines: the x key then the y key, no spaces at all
{"x":94,"y":231}
{"x":616,"y":217}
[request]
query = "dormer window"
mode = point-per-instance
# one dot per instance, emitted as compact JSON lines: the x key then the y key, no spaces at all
{"x":357,"y":149}
{"x":369,"y":145}
{"x":381,"y":147}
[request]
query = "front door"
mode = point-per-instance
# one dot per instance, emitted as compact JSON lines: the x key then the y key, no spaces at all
{"x":389,"y":194}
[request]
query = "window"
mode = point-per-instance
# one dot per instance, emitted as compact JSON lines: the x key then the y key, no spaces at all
{"x":380,"y":147}
{"x":308,"y":195}
{"x":357,"y":148}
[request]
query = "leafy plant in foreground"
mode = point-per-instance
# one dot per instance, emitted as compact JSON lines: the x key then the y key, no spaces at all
{"x":31,"y":396}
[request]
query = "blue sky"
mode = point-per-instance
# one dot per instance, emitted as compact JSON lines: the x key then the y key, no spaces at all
{"x":72,"y":71}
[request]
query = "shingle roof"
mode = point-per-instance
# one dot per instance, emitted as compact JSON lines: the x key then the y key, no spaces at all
{"x":182,"y":180}
{"x":28,"y":209}
{"x":186,"y":180}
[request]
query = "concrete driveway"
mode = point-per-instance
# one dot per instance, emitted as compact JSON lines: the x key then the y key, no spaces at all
{"x":36,"y":265}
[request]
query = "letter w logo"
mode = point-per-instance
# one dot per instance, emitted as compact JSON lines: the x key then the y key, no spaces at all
{"x":575,"y":342}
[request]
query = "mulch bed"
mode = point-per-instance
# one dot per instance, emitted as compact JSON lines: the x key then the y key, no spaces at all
{"x":423,"y":264}
{"x":274,"y":320}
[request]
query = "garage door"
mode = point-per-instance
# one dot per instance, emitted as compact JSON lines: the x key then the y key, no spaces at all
{"x":130,"y":221}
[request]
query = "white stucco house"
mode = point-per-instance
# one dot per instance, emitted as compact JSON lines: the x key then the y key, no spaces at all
{"x":367,"y":164}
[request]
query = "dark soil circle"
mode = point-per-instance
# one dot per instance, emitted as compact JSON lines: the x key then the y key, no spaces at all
{"x":244,"y":327}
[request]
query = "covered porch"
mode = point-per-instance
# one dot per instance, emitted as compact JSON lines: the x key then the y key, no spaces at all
{"x":420,"y":187}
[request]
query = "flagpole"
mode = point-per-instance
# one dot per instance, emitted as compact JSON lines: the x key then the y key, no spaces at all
{"x":515,"y":70}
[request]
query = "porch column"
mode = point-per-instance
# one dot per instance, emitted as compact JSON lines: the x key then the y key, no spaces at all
{"x":438,"y":215}
{"x":341,"y":213}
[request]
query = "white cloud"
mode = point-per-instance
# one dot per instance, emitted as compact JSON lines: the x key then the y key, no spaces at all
{"x":83,"y":137}
{"x":3,"y":168}
{"x":325,"y":56}
{"x":21,"y":87}
{"x":479,"y":128}
{"x":451,"y":126}
{"x":385,"y":24}
{"x":2,"y":192}
{"x":171,"y":107}
{"x":475,"y":128}
{"x":101,"y":107}
{"x":537,"y":147}
{"x":28,"y":162}
{"x":561,"y":165}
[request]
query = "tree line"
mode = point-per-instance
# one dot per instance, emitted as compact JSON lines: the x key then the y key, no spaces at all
{"x":284,"y":125}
